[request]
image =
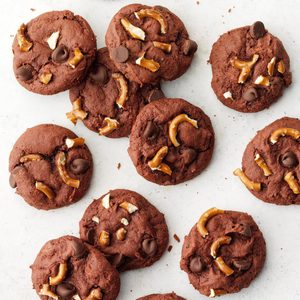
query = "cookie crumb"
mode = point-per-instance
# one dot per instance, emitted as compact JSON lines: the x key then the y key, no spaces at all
{"x":198,"y":2}
{"x":119,"y":166}
{"x":229,"y":10}
{"x":170,"y":248}
{"x":176,"y":238}
{"x":32,"y":9}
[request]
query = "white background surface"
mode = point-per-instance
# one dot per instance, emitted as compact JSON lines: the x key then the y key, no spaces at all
{"x":24,"y":229}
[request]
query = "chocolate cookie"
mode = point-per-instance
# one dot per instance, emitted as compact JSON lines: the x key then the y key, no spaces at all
{"x":171,"y":141}
{"x":271,"y":163}
{"x":106,"y":101}
{"x":149,"y":43}
{"x":171,"y":296}
{"x":223,"y":252}
{"x":50,"y":166}
{"x":53,"y":52}
{"x":67,"y":269}
{"x":129,"y":230}
{"x":250,"y":68}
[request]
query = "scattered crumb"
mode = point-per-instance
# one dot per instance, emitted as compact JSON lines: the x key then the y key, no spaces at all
{"x":176,"y":237}
{"x":11,"y":35}
{"x":170,"y":248}
{"x":198,"y":2}
{"x":118,"y":166}
{"x":229,"y":10}
{"x":32,"y":9}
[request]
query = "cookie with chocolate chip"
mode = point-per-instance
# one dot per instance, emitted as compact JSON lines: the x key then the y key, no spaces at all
{"x":129,"y":230}
{"x":53,"y":52}
{"x":50,"y":166}
{"x":106,"y":101}
{"x":149,"y":43}
{"x":223,"y":252}
{"x":170,"y":296}
{"x":67,"y":268}
{"x":171,"y":141}
{"x":270,"y":166}
{"x":250,"y":68}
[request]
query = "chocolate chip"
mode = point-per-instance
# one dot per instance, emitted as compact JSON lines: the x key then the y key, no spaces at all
{"x":79,"y":166}
{"x":246,"y":231}
{"x":149,"y":246}
{"x":65,"y":290}
{"x":257,"y":30}
{"x":119,"y":54}
{"x":24,"y":73}
{"x":91,"y":236}
{"x":60,"y":54}
{"x":155,"y":95}
{"x":12,"y":181}
{"x":189,"y":47}
{"x":242,"y":264}
{"x":99,"y":75}
{"x":117,"y":260}
{"x":196,"y":265}
{"x":188,"y":155}
{"x":250,"y":94}
{"x":151,"y":131}
{"x":79,"y":249}
{"x":289,"y":160}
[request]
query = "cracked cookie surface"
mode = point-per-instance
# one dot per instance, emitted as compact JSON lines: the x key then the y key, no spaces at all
{"x":149,"y":43}
{"x":171,"y":141}
{"x":67,"y":269}
{"x":129,"y":230}
{"x":45,"y":48}
{"x":227,"y":257}
{"x":250,"y":68}
{"x":106,"y":93}
{"x":47,"y":170}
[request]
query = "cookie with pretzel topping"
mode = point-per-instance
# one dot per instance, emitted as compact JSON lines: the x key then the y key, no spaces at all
{"x":149,"y":43}
{"x":223,"y":252}
{"x":170,"y":296}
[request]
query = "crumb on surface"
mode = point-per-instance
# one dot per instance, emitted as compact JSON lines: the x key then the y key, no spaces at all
{"x":118,"y":166}
{"x":170,"y":248}
{"x":176,"y":238}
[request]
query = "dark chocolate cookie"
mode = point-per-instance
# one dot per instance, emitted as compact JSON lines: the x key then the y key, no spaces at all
{"x":53,"y":52}
{"x":171,"y":296}
{"x":149,"y":43}
{"x":171,"y":141}
{"x":50,"y":166}
{"x":223,"y":252}
{"x":250,"y":68}
{"x":271,"y":163}
{"x":129,"y":230}
{"x":68,"y":269}
{"x":106,"y":101}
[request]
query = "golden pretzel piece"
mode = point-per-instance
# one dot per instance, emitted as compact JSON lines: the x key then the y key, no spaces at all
{"x":292,"y":182}
{"x":104,"y":239}
{"x":220,"y":263}
{"x":45,"y":77}
{"x":156,"y":162}
{"x":251,"y":185}
{"x":121,"y":234}
{"x":30,"y":157}
{"x":46,"y":291}
{"x":45,"y":190}
{"x":284,"y":131}
{"x":281,"y":67}
{"x":216,"y":292}
{"x":205,"y":217}
{"x":23,"y":43}
{"x":163,"y":46}
{"x":135,"y":32}
{"x":271,"y":66}
{"x":129,"y":207}
{"x":263,"y":165}
{"x":123,"y":89}
{"x":77,"y":112}
{"x":74,"y":142}
{"x":76,"y":59}
{"x":173,"y":127}
{"x":223,"y":240}
{"x":95,"y":294}
{"x":148,"y":64}
{"x":111,"y":125}
{"x":62,"y":271}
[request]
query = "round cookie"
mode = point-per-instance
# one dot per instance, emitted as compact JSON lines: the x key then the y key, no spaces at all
{"x":50,"y":166}
{"x":171,"y":141}
{"x":149,"y":43}
{"x":129,"y":230}
{"x":67,"y":269}
{"x":171,"y":296}
{"x":271,"y":163}
{"x":250,"y":68}
{"x":53,"y":52}
{"x":223,"y":252}
{"x":106,"y":101}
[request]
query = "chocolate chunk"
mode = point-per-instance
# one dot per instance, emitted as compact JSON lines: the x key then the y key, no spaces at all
{"x":196,"y":265}
{"x":119,"y":54}
{"x":250,"y":94}
{"x":117,"y":260}
{"x":79,"y":249}
{"x":289,"y":160}
{"x":257,"y":30}
{"x":99,"y":75}
{"x":65,"y":290}
{"x":149,"y":246}
{"x":151,"y":131}
{"x":188,"y":155}
{"x":60,"y":54}
{"x":79,"y":166}
{"x":242,"y":264}
{"x":189,"y":47}
{"x":12,"y":181}
{"x":91,"y":236}
{"x":25,"y":73}
{"x":155,"y":95}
